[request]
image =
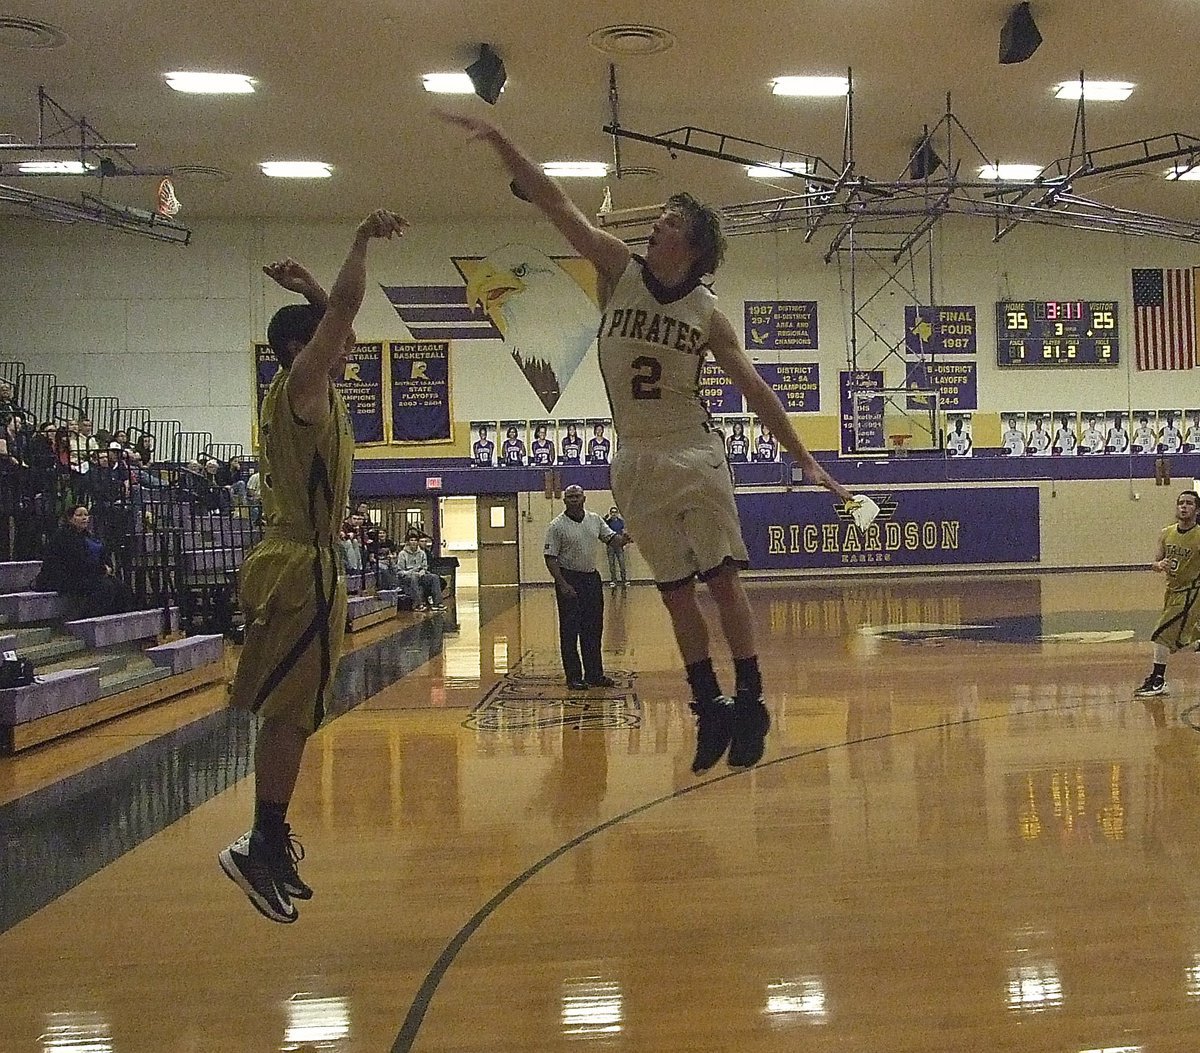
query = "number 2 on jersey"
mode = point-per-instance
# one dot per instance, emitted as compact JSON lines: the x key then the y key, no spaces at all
{"x":646,"y":378}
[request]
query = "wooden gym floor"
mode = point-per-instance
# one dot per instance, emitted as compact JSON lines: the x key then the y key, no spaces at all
{"x":966,"y":835}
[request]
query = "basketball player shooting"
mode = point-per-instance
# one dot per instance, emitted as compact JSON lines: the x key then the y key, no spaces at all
{"x":670,"y":475}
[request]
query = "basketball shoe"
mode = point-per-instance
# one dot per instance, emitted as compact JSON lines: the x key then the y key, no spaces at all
{"x":247,"y":863}
{"x":714,"y":727}
{"x":750,"y":723}
{"x":283,"y":865}
{"x":1151,"y":686}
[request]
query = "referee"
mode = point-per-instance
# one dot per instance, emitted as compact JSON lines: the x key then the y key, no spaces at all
{"x":571,"y":560}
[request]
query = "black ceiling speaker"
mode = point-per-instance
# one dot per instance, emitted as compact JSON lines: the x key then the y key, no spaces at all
{"x":924,"y":161}
{"x":487,"y":74}
{"x":1020,"y":37}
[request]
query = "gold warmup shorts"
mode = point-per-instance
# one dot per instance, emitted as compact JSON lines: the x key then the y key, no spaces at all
{"x":294,"y":598}
{"x":1179,"y":626}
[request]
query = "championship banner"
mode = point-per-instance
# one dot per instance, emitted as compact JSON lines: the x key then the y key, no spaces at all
{"x":781,"y":325}
{"x":796,"y":383}
{"x":420,"y":378}
{"x":265,"y":368}
{"x":940,"y":330}
{"x":717,"y":391}
{"x":870,"y":409}
{"x":361,"y":385}
{"x":956,"y":383}
{"x":916,"y":528}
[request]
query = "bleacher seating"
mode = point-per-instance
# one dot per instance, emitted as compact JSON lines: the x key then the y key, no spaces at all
{"x":92,"y":669}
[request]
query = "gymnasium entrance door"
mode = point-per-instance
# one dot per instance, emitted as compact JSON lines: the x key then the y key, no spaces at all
{"x":498,"y":548}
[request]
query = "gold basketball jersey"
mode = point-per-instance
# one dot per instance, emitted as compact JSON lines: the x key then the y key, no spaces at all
{"x":305,"y":468}
{"x":1182,"y":550}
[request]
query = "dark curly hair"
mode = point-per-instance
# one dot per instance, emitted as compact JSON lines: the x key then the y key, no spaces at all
{"x":704,"y":230}
{"x":294,"y":323}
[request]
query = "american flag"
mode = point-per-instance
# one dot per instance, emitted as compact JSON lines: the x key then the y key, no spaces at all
{"x":1164,"y":318}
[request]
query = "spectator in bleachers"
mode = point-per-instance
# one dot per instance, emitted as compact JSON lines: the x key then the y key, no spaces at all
{"x":387,"y":576}
{"x":78,"y":565}
{"x":83,"y":445}
{"x":9,"y":407}
{"x":12,"y":468}
{"x":413,"y":566}
{"x":352,"y":550}
{"x":144,"y":447}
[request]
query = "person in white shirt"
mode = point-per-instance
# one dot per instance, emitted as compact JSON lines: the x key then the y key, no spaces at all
{"x":1012,"y":439}
{"x":1037,"y":444}
{"x":1092,"y":440}
{"x":1117,"y":439}
{"x":571,"y":559}
{"x":1170,"y":440}
{"x":1143,"y":436}
{"x":958,"y":442}
{"x":1065,"y":440}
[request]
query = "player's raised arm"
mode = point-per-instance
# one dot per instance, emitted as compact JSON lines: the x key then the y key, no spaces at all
{"x":297,"y":278}
{"x":727,"y":351}
{"x":609,"y":254}
{"x":308,"y":384}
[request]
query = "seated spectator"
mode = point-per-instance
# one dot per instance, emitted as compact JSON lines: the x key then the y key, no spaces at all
{"x":144,"y":447}
{"x":386,"y":574}
{"x":9,"y":407}
{"x":412,"y":565}
{"x":78,"y":565}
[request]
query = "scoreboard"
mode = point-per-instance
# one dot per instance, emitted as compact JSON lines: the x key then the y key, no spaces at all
{"x":1057,"y":333}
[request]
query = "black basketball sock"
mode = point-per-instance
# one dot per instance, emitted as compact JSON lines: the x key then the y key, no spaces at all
{"x":270,"y":821}
{"x":749,"y":680}
{"x":703,"y":680}
{"x":1159,"y":670}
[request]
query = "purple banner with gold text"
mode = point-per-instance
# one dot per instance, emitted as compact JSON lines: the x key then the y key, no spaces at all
{"x":942,"y":526}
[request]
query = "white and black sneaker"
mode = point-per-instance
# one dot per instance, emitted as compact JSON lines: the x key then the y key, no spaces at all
{"x":247,"y":864}
{"x":283,"y":864}
{"x":1153,"y":685}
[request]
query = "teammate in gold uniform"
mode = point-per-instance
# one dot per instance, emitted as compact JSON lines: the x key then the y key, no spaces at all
{"x":291,"y":587}
{"x":1178,"y":557}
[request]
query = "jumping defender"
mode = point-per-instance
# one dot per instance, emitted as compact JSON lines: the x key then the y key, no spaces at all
{"x":291,"y":586}
{"x":670,"y":475}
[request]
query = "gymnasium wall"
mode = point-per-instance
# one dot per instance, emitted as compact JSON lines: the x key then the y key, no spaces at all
{"x":170,"y":327}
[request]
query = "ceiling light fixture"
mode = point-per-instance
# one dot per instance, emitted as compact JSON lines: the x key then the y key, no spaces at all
{"x":575,"y":169}
{"x":812,"y":87}
{"x":1095,"y":90}
{"x":296,"y":169}
{"x":1183,"y":172}
{"x":783,"y":170}
{"x":196,"y":83}
{"x":1013,"y":173}
{"x":448,"y":83}
{"x":54,"y":167}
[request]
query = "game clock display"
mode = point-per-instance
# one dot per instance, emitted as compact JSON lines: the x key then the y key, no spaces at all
{"x":1057,"y":333}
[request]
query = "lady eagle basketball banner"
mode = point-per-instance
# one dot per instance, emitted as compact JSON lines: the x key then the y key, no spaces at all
{"x":360,"y":382}
{"x":420,"y":380}
{"x":951,"y":526}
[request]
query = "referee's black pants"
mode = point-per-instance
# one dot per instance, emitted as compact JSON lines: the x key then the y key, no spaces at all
{"x":580,"y":625}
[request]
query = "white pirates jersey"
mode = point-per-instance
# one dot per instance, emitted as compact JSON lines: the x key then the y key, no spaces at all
{"x":651,"y":349}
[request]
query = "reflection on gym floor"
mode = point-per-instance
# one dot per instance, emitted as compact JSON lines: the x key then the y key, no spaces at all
{"x":966,"y":835}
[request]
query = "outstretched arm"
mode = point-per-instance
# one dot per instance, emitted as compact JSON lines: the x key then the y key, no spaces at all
{"x":759,"y":397}
{"x":308,"y":384}
{"x":609,"y":254}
